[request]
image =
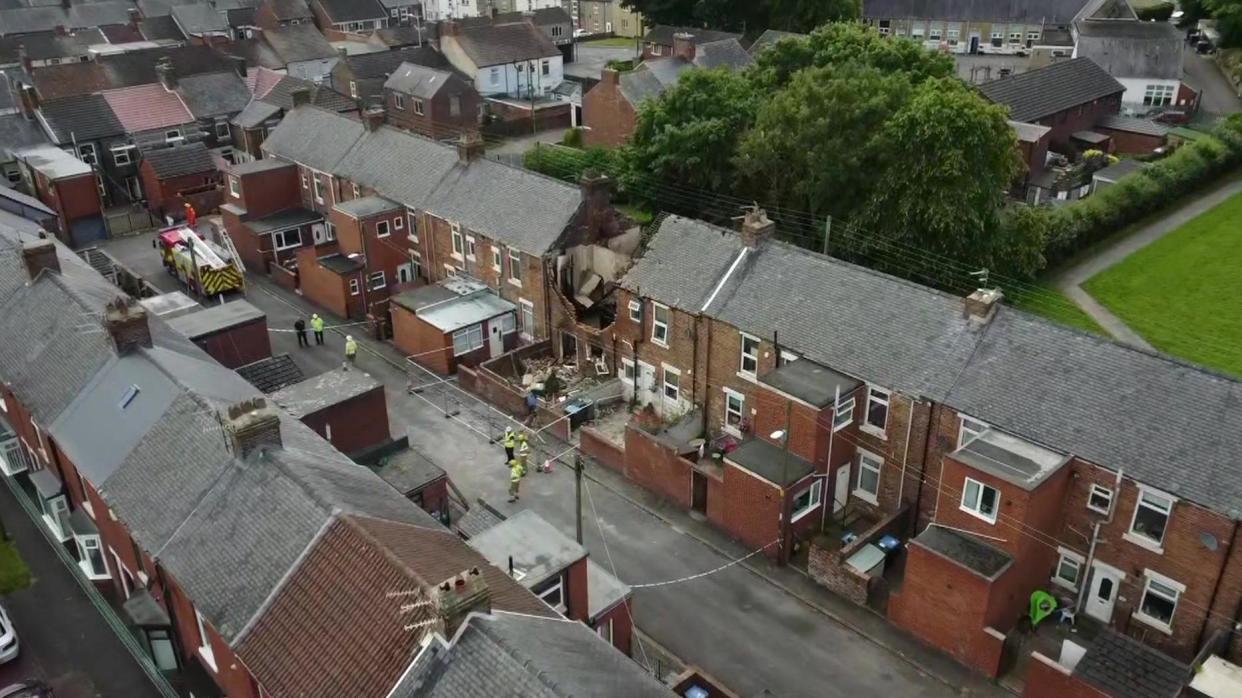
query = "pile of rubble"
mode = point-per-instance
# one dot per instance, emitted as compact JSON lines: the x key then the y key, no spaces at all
{"x":537,"y":371}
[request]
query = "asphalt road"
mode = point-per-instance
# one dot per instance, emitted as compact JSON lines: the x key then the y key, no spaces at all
{"x":750,"y":634}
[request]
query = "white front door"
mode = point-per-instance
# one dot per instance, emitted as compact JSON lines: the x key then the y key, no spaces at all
{"x":1102,"y":594}
{"x":496,"y":339}
{"x":841,"y":491}
{"x":646,"y":388}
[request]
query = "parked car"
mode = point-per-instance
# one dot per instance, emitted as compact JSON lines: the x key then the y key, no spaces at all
{"x":27,"y":689}
{"x":8,"y":639}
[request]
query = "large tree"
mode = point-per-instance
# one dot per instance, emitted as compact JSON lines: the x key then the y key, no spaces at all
{"x":805,"y":15}
{"x":847,"y":43}
{"x":951,"y":158}
{"x":817,"y":144}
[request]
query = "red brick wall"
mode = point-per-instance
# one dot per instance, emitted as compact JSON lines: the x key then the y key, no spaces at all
{"x":655,"y":467}
{"x":326,"y":288}
{"x":72,"y":198}
{"x":1045,"y":678}
{"x":576,"y":599}
{"x":230,"y":675}
{"x":609,"y":118}
{"x":601,"y":449}
{"x":1126,"y":143}
{"x":622,"y":626}
{"x":433,"y":497}
{"x":164,"y":195}
{"x":250,"y":247}
{"x":266,"y":191}
{"x":1080,"y":118}
{"x":752,"y":510}
{"x":238,"y":346}
{"x":437,"y":120}
{"x":356,"y":424}
{"x":413,"y":337}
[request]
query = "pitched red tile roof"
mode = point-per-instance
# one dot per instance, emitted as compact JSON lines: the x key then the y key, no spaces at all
{"x":147,"y":107}
{"x":334,"y":628}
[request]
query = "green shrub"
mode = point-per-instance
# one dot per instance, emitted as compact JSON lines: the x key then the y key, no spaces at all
{"x":569,"y":163}
{"x":1160,"y":12}
{"x":573,"y":138}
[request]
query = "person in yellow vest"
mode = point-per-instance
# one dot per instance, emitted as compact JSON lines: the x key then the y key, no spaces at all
{"x":523,"y":452}
{"x":351,"y":349}
{"x":317,"y":327}
{"x":515,"y":479}
{"x":509,"y":443}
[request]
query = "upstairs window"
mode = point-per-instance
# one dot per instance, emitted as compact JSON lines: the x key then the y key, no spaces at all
{"x":980,"y":500}
{"x":877,"y":409}
{"x":750,"y":355}
{"x":1151,"y":518}
{"x":659,"y":324}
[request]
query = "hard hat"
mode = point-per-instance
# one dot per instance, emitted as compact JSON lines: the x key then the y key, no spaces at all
{"x":314,"y":314}
{"x":349,"y":338}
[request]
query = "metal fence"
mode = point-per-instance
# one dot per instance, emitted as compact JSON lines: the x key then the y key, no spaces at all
{"x":106,"y":611}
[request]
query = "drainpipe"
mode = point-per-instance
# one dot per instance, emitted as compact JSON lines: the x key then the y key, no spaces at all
{"x":831,"y":467}
{"x":1216,"y":586}
{"x":905,"y":456}
{"x":1095,"y":539}
{"x":932,"y":424}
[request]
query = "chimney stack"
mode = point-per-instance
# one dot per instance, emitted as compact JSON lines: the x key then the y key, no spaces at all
{"x":126,"y":321}
{"x":610,"y":77}
{"x":342,"y":52}
{"x":39,"y":255}
{"x":981,"y":305}
{"x":59,"y":30}
{"x":450,"y":28}
{"x":756,"y":227}
{"x":300,"y":97}
{"x":135,"y":16}
{"x":239,"y":66}
{"x":596,"y":200}
{"x":683,"y":46}
{"x":252,"y":425}
{"x":167,"y":74}
{"x":30,"y":101}
{"x":372,"y":119}
{"x":469,"y":147}
{"x":458,"y":596}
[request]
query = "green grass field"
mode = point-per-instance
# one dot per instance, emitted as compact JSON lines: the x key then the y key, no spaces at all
{"x":1047,"y":301}
{"x":1183,"y":293}
{"x":612,"y":42}
{"x":14,"y":575}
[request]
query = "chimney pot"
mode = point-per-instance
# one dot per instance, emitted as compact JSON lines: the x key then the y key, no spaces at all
{"x":126,"y":322}
{"x":457,"y":597}
{"x":611,"y":76}
{"x":756,"y":227}
{"x":981,"y":305}
{"x":683,"y":45}
{"x":253,"y":425}
{"x":40,"y":255}
{"x":469,"y":147}
{"x":167,"y":74}
{"x":373,"y":118}
{"x":135,"y":16}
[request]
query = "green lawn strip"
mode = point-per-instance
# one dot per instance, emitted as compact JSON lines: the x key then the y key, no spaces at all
{"x":1183,"y":292}
{"x":612,"y":42}
{"x":14,"y":575}
{"x":1050,"y":303}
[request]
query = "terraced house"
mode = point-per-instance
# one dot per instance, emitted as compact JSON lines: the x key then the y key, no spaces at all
{"x":935,"y":457}
{"x":249,"y":551}
{"x":388,"y":227}
{"x":976,"y":27}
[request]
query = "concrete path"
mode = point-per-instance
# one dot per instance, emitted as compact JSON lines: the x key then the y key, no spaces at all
{"x":64,"y":640}
{"x":1070,"y":280}
{"x":756,"y":628}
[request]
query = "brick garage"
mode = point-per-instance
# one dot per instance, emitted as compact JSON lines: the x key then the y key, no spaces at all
{"x":345,"y":406}
{"x":235,"y":334}
{"x":453,"y":323}
{"x":331,"y":280}
{"x":174,"y":176}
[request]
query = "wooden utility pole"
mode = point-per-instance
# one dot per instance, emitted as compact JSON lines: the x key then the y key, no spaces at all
{"x":579,"y":464}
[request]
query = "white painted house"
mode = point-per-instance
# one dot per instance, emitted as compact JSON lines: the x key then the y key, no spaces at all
{"x":1145,"y":57}
{"x":513,"y":59}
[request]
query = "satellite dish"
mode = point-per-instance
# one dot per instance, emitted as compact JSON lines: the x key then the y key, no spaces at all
{"x":1208,"y":540}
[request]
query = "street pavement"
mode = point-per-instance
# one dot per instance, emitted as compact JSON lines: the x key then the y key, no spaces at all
{"x":1218,"y":96}
{"x":64,"y":640}
{"x":759,"y":630}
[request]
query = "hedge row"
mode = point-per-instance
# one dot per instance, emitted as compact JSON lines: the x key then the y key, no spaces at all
{"x":1191,"y":168}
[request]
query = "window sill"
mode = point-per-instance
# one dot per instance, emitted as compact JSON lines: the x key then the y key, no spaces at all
{"x":866,"y":497}
{"x":1064,"y":584}
{"x":4,"y":468}
{"x":839,"y":427}
{"x":1153,"y":623}
{"x":382,"y":236}
{"x":751,"y":377}
{"x":734,"y":431}
{"x":1103,"y":512}
{"x":51,"y":527}
{"x":794,"y":519}
{"x":1142,"y":542}
{"x":658,"y":343}
{"x":86,"y":571}
{"x":204,"y":653}
{"x":977,"y":515}
{"x":515,"y":282}
{"x":874,"y":431}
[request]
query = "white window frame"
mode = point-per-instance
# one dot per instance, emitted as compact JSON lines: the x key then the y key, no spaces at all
{"x":280,"y":241}
{"x":50,"y":520}
{"x":969,"y":429}
{"x":497,"y":259}
{"x":398,"y":100}
{"x":664,"y":385}
{"x":204,"y":642}
{"x":354,"y":287}
{"x":659,"y":338}
{"x":525,"y":307}
{"x":1174,"y":594}
{"x":508,"y":323}
{"x":636,"y":310}
{"x":515,"y":267}
{"x":305,"y":179}
{"x":628,"y":372}
{"x":234,"y":187}
{"x":122,"y":150}
{"x":418,"y":107}
{"x":413,"y":216}
{"x":375,"y":276}
{"x":816,"y":500}
{"x":381,"y":229}
{"x":1073,"y":559}
{"x":876,"y":467}
{"x":559,"y":588}
{"x":471,"y":339}
{"x":459,"y":241}
{"x":881,"y":396}
{"x":740,"y":412}
{"x":604,"y":630}
{"x":398,"y":223}
{"x":843,"y":414}
{"x":1102,"y":491}
{"x":471,"y":247}
{"x":744,"y":358}
{"x":974,"y":507}
{"x":173,"y":135}
{"x":84,"y":557}
{"x":317,"y":188}
{"x":88,"y":154}
{"x":1142,"y":539}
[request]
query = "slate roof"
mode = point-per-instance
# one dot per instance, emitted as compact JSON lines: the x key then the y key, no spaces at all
{"x":381,"y":64}
{"x":156,"y":28}
{"x":441,"y":184}
{"x":281,"y":95}
{"x":200,"y":19}
{"x":1045,"y":91}
{"x":323,"y":391}
{"x":397,"y":36}
{"x":289,"y":9}
{"x":663,"y":34}
{"x":256,"y":52}
{"x":1130,"y":124}
{"x":126,"y":70}
{"x":495,"y":44}
{"x":1132,"y":48}
{"x":1025,"y":11}
{"x":420,"y":81}
{"x":45,"y":45}
{"x":409,"y":470}
{"x":17,"y":133}
{"x":271,"y":374}
{"x":84,"y":117}
{"x":179,"y":161}
{"x":255,"y":114}
{"x":769,"y":38}
{"x":147,"y":107}
{"x":965,"y":549}
{"x":655,"y":75}
{"x":213,"y":94}
{"x":511,"y":654}
{"x":726,"y":53}
{"x":340,"y":11}
{"x":299,"y":42}
{"x":476,"y":520}
{"x":217,"y":318}
{"x":1121,"y":665}
{"x":24,"y":20}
